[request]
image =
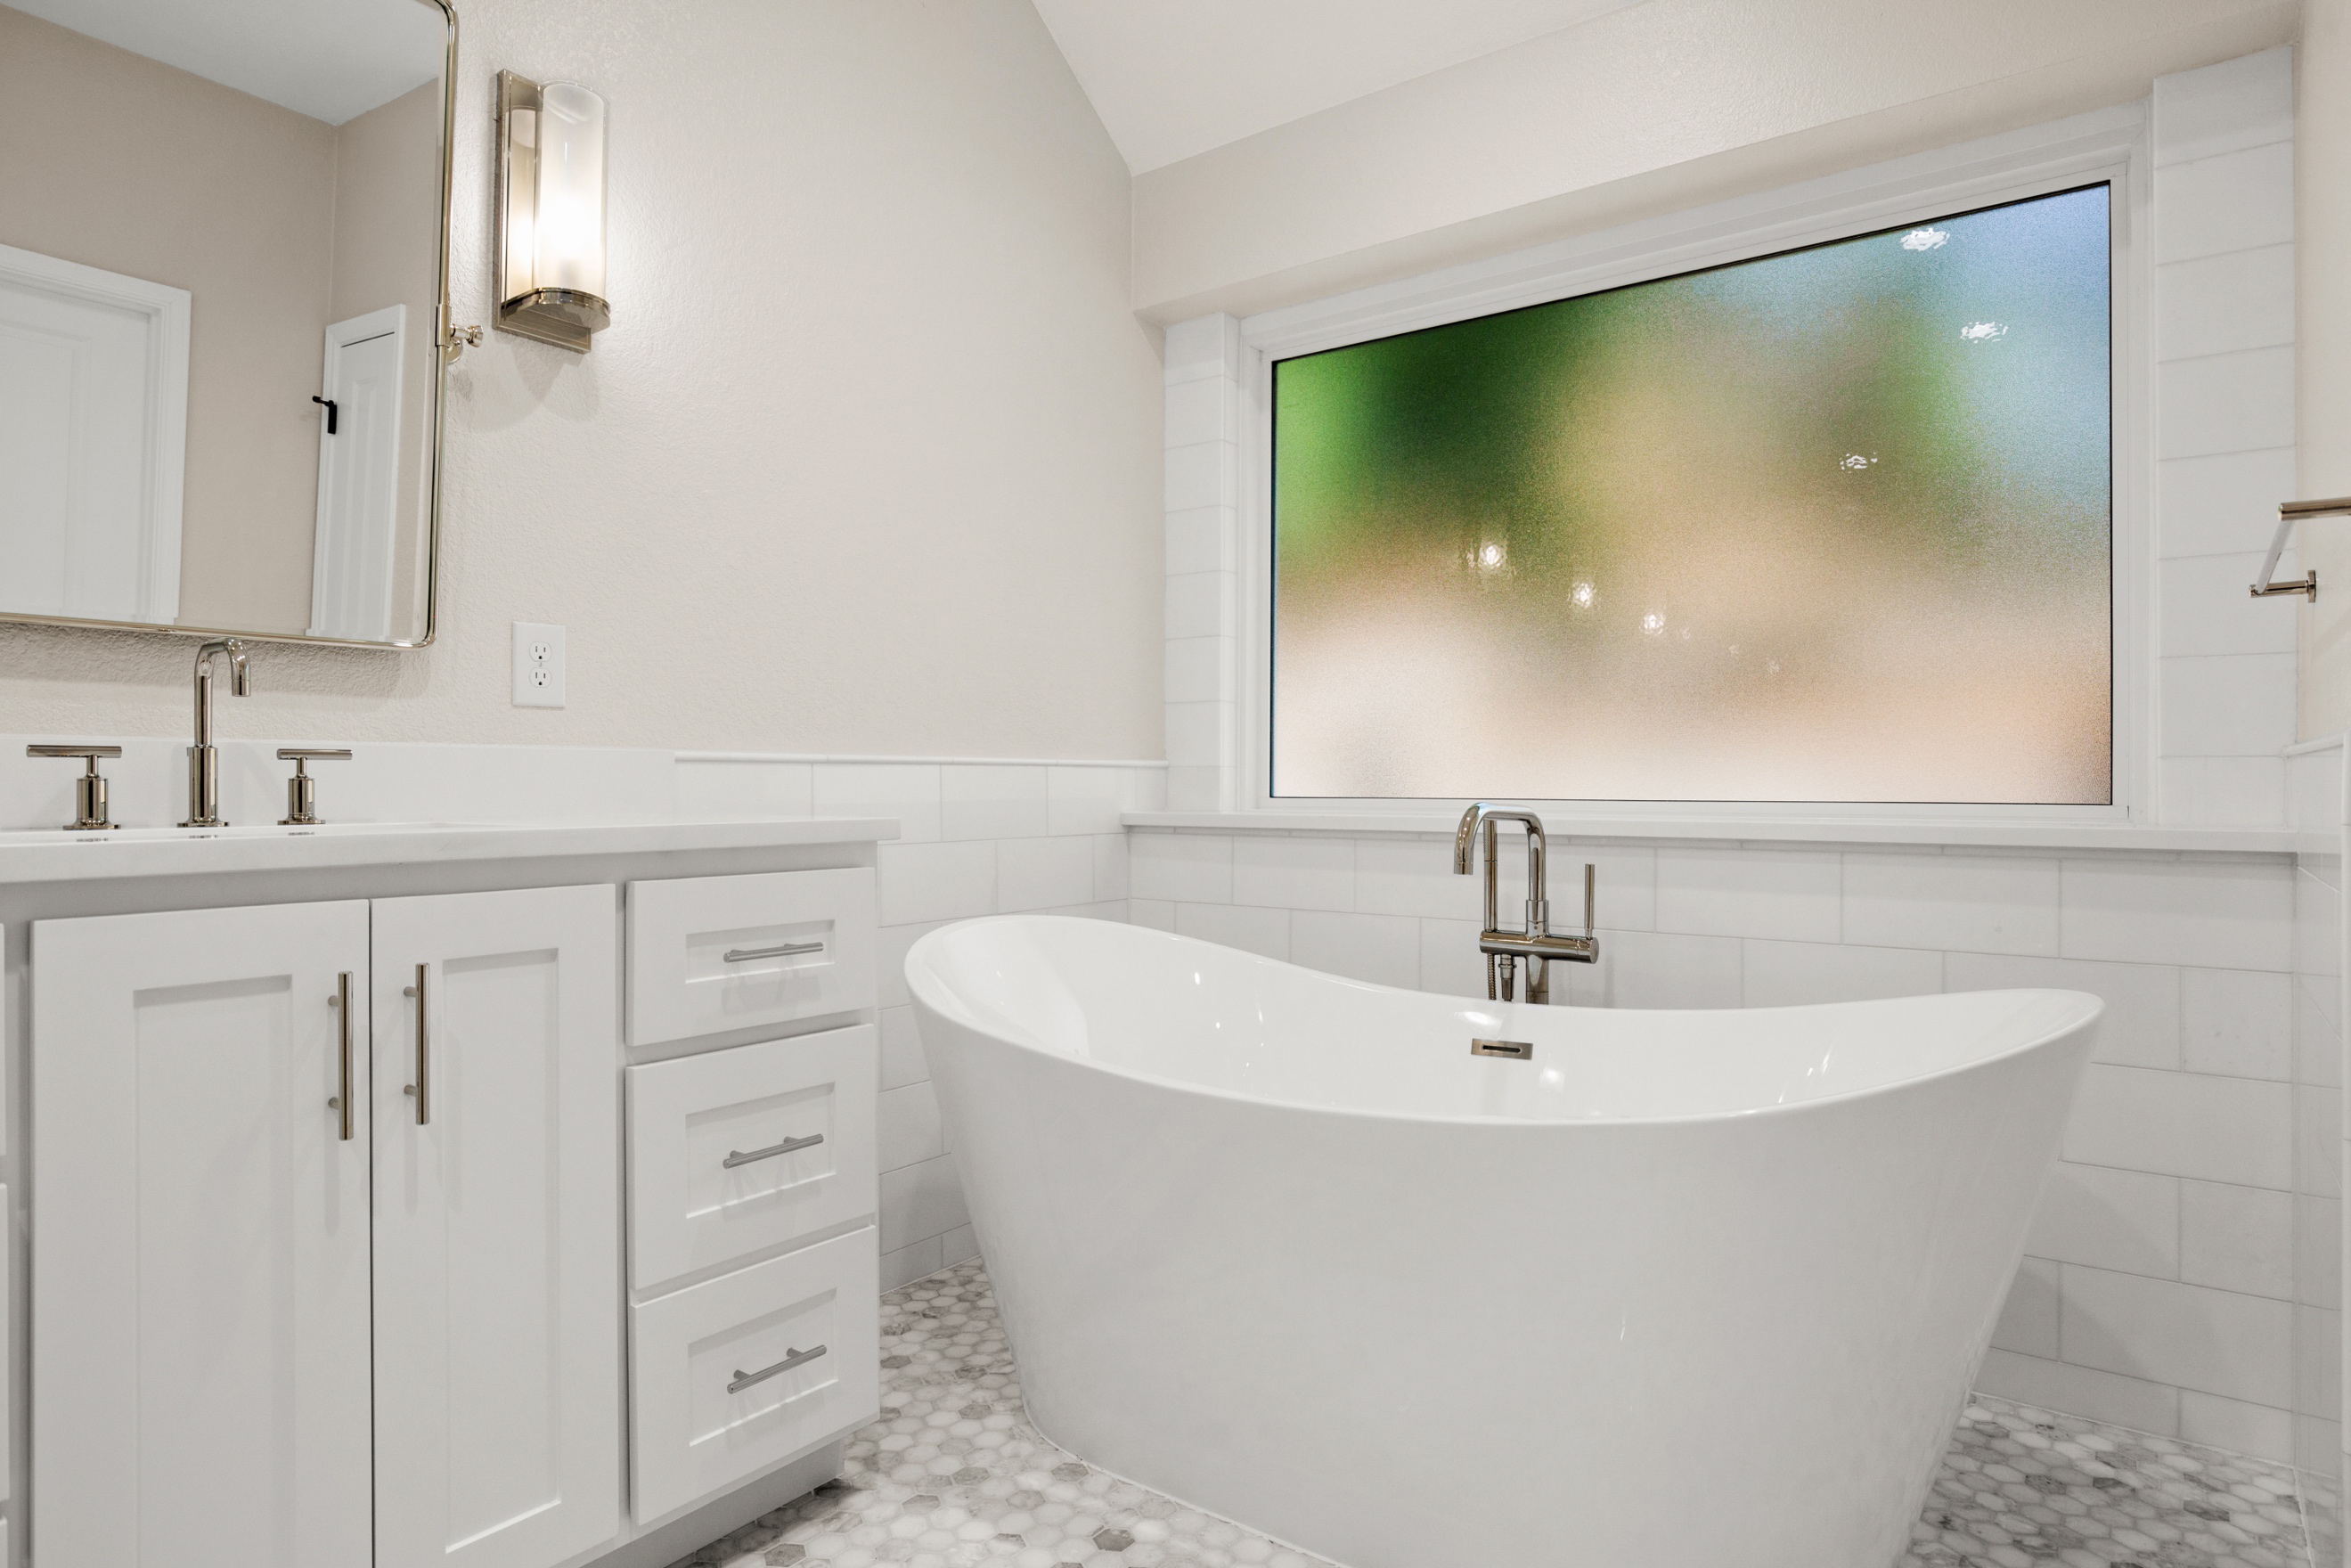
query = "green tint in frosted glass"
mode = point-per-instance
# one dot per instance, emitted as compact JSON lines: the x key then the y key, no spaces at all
{"x":1831,"y":525}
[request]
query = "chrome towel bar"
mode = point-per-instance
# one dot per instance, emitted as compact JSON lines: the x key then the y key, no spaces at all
{"x":2292,"y":512}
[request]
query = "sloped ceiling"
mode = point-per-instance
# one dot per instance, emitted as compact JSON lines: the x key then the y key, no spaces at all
{"x":1174,"y":77}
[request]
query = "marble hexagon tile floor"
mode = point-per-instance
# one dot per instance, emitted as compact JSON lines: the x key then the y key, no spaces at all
{"x":953,"y":1475}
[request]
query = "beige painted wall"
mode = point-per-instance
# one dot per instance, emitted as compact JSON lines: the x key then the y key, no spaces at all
{"x":185,"y":173}
{"x":869,"y":460}
{"x":2323,"y":354}
{"x":1661,"y":106}
{"x":388,"y":251}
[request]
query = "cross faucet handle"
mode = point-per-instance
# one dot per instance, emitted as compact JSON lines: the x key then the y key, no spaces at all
{"x":89,"y":789}
{"x":302,"y":791}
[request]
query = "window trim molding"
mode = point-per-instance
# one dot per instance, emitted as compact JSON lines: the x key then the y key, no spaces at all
{"x":2108,"y":144}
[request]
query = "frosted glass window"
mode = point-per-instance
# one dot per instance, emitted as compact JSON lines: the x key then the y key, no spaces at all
{"x":1831,"y":525}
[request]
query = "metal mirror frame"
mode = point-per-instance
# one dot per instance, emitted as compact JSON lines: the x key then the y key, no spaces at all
{"x":449,"y":342}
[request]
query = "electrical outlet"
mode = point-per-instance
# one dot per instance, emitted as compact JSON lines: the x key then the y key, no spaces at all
{"x":538,"y":664}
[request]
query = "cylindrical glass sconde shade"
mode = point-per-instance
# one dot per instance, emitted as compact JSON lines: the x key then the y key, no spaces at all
{"x":567,"y":243}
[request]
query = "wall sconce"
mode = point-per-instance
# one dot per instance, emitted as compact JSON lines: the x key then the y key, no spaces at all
{"x":550,"y":211}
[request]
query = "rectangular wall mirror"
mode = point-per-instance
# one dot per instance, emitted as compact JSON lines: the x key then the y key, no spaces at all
{"x":223,"y":273}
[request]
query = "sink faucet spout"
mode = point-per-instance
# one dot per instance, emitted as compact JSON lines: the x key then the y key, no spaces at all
{"x":203,"y":757}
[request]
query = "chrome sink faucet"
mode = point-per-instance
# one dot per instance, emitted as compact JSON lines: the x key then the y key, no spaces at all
{"x":1534,"y":943}
{"x":203,"y":757}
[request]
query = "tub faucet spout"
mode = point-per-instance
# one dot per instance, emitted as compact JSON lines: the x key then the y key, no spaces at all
{"x":1534,"y":943}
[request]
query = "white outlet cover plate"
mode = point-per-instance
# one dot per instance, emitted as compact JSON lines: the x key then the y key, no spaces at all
{"x":538,"y":664}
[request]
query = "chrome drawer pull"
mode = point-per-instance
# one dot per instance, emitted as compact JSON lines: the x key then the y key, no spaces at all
{"x":341,"y":1002}
{"x":422,"y":1088}
{"x":738,"y":1157}
{"x":791,"y":1358}
{"x":790,"y":949}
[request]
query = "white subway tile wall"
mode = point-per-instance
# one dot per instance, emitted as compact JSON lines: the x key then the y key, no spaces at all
{"x":985,"y":839}
{"x":2222,"y":318}
{"x":1203,"y":447}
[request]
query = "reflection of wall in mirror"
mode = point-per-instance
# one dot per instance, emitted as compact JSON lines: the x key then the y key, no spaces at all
{"x":278,"y":224}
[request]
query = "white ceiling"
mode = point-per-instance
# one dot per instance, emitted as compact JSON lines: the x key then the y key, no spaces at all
{"x":330,"y":59}
{"x":1174,"y":78}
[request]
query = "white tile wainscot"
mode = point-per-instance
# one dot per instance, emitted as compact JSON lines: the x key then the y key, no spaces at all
{"x":976,"y":837}
{"x":2165,"y":1272}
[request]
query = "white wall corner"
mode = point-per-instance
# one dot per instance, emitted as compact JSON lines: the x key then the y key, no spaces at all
{"x":1203,"y":497}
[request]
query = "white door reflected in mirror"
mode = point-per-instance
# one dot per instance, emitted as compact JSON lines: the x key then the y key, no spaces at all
{"x":351,"y":558}
{"x":93,"y":423}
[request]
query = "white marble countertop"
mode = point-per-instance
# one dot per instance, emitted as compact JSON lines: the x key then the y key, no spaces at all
{"x":2121,"y":838}
{"x":66,"y":856}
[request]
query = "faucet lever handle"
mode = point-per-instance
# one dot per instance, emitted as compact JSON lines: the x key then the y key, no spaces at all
{"x":1591,"y":877}
{"x":302,"y":791}
{"x":89,"y":789}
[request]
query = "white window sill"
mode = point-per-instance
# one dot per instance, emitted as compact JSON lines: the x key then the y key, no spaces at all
{"x":2121,"y":839}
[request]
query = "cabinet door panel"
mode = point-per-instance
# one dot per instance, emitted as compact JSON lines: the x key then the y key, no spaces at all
{"x":200,"y":1241}
{"x":497,"y":1242}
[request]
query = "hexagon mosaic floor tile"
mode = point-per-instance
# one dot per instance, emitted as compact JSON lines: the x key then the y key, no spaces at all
{"x":953,"y":1475}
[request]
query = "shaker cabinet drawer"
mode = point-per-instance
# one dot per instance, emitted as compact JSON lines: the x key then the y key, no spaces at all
{"x":747,"y":1370}
{"x":712,"y":954}
{"x":734,"y":1151}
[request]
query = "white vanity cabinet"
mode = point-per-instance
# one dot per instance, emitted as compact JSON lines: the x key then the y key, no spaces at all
{"x":496,"y":1236}
{"x":200,"y":1251}
{"x":360,"y":1237}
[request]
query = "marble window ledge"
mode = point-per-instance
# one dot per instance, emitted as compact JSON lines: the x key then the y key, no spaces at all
{"x":2128,"y":839}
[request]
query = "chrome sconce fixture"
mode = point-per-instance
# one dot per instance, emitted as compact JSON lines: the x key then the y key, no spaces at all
{"x":550,"y":260}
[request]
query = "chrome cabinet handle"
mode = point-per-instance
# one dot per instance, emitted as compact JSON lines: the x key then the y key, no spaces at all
{"x":422,"y":1088}
{"x":789,"y":950}
{"x":738,"y":1157}
{"x":791,"y":1358}
{"x":341,"y":1002}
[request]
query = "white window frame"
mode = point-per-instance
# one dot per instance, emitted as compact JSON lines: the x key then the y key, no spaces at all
{"x":2110,"y":144}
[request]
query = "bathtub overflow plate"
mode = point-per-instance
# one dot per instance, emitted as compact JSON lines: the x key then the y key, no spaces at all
{"x":1516,"y":1049}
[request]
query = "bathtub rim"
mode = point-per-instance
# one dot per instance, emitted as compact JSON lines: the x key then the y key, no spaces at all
{"x":921,"y":983}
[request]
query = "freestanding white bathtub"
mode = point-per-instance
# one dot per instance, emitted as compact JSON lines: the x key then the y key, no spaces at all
{"x":1686,"y":1289}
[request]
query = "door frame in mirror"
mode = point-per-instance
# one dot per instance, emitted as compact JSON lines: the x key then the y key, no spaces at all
{"x":448,"y":343}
